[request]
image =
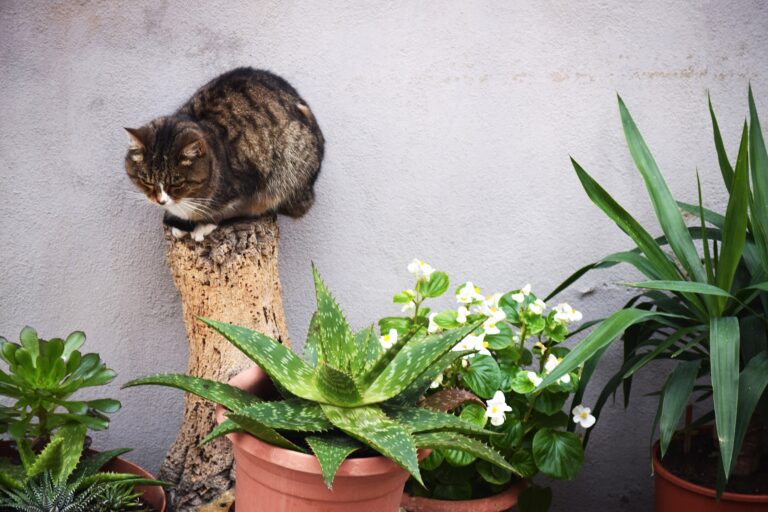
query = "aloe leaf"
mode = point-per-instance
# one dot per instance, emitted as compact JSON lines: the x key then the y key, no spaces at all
{"x":311,"y":345}
{"x":8,"y":482}
{"x":724,"y":361}
{"x":604,"y":334}
{"x":735,"y":227}
{"x":282,"y":365}
{"x":335,"y":340}
{"x":61,"y":455}
{"x":217,"y":392}
{"x":293,"y":414}
{"x":118,"y":478}
{"x":419,"y":419}
{"x":338,"y":387}
{"x":456,"y":441}
{"x":267,"y":434}
{"x":331,"y":451}
{"x":682,"y":286}
{"x":663,"y":203}
{"x":675,"y":395}
{"x":368,"y":349}
{"x":372,"y":427}
{"x":93,"y":463}
{"x":414,"y":391}
{"x":225,"y":427}
{"x":411,"y":361}
{"x":375,"y":367}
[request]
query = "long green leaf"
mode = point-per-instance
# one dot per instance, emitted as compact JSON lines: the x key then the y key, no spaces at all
{"x":663,"y":203}
{"x":93,"y":463}
{"x":419,"y":419}
{"x":722,"y":157}
{"x":682,"y":286}
{"x":225,"y":427}
{"x":331,"y":451}
{"x":337,"y":346}
{"x":337,"y":386}
{"x":758,"y":158}
{"x":674,"y":397}
{"x":293,"y":414}
{"x":282,"y":365}
{"x":372,"y":427}
{"x":724,"y":361}
{"x":603,"y":334}
{"x":455,"y":441}
{"x":752,"y":384}
{"x":267,"y":434}
{"x":229,"y":396}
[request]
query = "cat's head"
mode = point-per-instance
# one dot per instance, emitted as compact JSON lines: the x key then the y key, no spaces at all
{"x":170,"y":162}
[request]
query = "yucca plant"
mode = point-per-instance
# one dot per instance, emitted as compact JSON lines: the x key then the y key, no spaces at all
{"x":346,"y":395}
{"x":702,"y":308}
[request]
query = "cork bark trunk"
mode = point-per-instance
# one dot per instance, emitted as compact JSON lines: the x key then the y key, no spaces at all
{"x":231,"y":276}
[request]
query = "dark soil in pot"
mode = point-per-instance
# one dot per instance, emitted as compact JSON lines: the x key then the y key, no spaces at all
{"x":700,"y":465}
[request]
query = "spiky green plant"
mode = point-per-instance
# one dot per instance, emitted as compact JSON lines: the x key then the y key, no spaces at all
{"x":46,"y":494}
{"x":346,"y":395}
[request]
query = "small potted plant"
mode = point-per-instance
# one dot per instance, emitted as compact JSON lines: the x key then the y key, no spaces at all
{"x":47,"y":427}
{"x":705,"y":311}
{"x":515,"y":344}
{"x":340,"y":429}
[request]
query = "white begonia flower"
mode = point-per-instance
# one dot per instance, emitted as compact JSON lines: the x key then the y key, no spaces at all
{"x":436,"y":383}
{"x":433,"y":327}
{"x":490,"y":326}
{"x":461,"y":314}
{"x":490,"y":305}
{"x":537,"y":307}
{"x":420,"y":269}
{"x":473,"y":342}
{"x":519,"y":297}
{"x":534,"y":378}
{"x":565,"y":313}
{"x":408,"y":306}
{"x":551,"y":363}
{"x":582,"y":415}
{"x":565,"y":379}
{"x":388,"y":340}
{"x":469,"y":293}
{"x":496,"y":407}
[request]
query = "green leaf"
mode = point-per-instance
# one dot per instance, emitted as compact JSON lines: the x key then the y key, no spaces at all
{"x":368,"y":349}
{"x":435,"y":286}
{"x":550,"y":403}
{"x":225,"y":427}
{"x":607,"y":331}
{"x":447,"y":319}
{"x":558,"y":454}
{"x":722,"y":157}
{"x":91,"y":464}
{"x":419,"y":419}
{"x":758,"y":158}
{"x":535,"y":499}
{"x":338,"y":387}
{"x":432,"y":461}
{"x":674,"y":397}
{"x":311,"y":345}
{"x":331,"y":451}
{"x":663,"y":203}
{"x":258,"y":429}
{"x":333,"y":334}
{"x":105,"y":405}
{"x":752,"y":384}
{"x":293,"y":414}
{"x":372,"y":427}
{"x":229,"y":396}
{"x":282,"y":365}
{"x":454,"y":441}
{"x":458,"y":458}
{"x":74,"y":342}
{"x":31,"y":343}
{"x":493,"y":474}
{"x":416,"y":390}
{"x":482,"y":376}
{"x":682,"y":286}
{"x":724,"y":361}
{"x":521,"y":384}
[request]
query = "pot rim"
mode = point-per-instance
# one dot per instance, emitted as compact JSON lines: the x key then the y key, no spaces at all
{"x":664,"y":473}
{"x":510,"y":492}
{"x":248,"y":380}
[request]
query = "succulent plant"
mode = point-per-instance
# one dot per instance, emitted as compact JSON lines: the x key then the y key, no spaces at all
{"x":346,"y":395}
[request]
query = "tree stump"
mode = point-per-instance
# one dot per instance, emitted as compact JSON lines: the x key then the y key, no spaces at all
{"x":231,"y":276}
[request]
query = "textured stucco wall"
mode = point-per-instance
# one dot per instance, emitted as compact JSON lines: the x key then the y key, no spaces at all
{"x":449,"y":126}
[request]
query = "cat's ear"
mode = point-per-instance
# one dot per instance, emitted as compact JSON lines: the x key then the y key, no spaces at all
{"x":134,"y":138}
{"x":194,"y":149}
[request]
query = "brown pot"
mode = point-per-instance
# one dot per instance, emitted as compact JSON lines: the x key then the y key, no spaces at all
{"x":153,"y":495}
{"x":496,"y":503}
{"x":673,"y":494}
{"x":280,"y":480}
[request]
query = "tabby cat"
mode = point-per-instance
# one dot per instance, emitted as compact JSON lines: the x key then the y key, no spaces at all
{"x":245,"y":144}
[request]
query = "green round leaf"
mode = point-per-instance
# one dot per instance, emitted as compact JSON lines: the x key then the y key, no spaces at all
{"x":458,"y":457}
{"x":558,"y":454}
{"x":502,"y":340}
{"x":521,"y":383}
{"x":435,"y":286}
{"x":522,"y":461}
{"x":513,"y":431}
{"x":447,"y":319}
{"x":432,"y":461}
{"x":492,"y":473}
{"x":474,"y":413}
{"x":550,"y":403}
{"x":482,"y":376}
{"x":400,"y":324}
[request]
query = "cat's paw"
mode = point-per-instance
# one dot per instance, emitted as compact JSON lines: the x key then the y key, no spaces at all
{"x":178,"y":233}
{"x":201,"y":231}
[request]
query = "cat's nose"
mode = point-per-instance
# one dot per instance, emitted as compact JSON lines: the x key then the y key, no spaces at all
{"x":161,"y":200}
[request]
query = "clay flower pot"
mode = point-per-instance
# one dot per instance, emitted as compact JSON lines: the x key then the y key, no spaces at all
{"x":496,"y":503}
{"x":674,"y":494}
{"x":280,"y":480}
{"x":153,"y":495}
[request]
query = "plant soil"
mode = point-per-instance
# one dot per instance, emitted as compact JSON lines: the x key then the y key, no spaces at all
{"x":701,"y":464}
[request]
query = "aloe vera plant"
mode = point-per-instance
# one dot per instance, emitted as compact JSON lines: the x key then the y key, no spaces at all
{"x":704,"y":309}
{"x":347,"y":395}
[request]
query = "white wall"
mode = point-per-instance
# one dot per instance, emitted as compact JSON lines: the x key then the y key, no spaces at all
{"x":449,"y":126}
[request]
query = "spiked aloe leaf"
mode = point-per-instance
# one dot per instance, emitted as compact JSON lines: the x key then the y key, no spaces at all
{"x":267,"y":434}
{"x":229,"y":396}
{"x":295,"y":414}
{"x":411,"y":361}
{"x":456,"y":441}
{"x":225,"y":427}
{"x":338,"y":387}
{"x":372,"y":427}
{"x":282,"y":365}
{"x":368,"y":349}
{"x":311,"y":345}
{"x":331,"y":451}
{"x":418,"y":387}
{"x":90,"y":465}
{"x":334,"y":337}
{"x":374,"y":368}
{"x":418,"y":419}
{"x":62,"y":453}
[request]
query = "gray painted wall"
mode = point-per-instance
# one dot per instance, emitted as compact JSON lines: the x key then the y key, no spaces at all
{"x":449,"y":127}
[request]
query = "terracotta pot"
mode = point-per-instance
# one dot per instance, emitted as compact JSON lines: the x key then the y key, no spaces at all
{"x":673,"y":494}
{"x":280,"y":480}
{"x":496,"y":503}
{"x":154,"y":495}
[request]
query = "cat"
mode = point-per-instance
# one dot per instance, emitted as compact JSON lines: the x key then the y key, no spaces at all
{"x":245,"y":144}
